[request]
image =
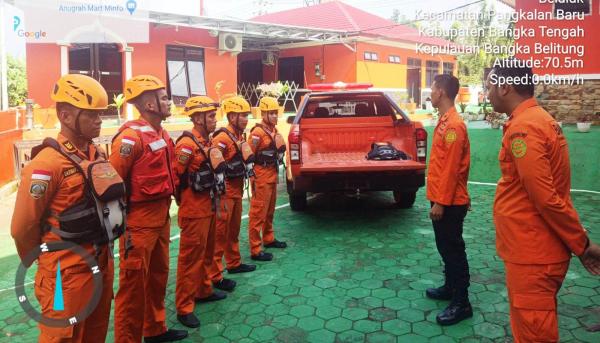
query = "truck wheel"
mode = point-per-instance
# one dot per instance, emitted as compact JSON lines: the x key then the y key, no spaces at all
{"x":297,"y":201}
{"x":405,"y":199}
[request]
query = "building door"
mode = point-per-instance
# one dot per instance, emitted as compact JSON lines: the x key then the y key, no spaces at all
{"x":103,"y":62}
{"x":292,"y":69}
{"x":413,"y":79}
{"x":250,"y":73}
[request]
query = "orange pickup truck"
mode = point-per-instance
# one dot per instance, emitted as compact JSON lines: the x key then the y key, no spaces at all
{"x":331,"y":135}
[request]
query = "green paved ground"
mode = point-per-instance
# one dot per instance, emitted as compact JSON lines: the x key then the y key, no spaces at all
{"x":355,"y":271}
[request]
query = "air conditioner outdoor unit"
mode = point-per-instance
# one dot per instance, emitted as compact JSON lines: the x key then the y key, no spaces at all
{"x":229,"y":42}
{"x":268,"y":58}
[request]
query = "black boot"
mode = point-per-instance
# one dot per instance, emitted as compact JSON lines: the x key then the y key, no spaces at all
{"x":458,"y":310}
{"x":168,"y":336}
{"x":242,"y":268}
{"x":190,"y":320}
{"x":276,"y":244}
{"x":440,"y":293}
{"x":262,"y":256}
{"x":225,"y":285}
{"x":216,"y":296}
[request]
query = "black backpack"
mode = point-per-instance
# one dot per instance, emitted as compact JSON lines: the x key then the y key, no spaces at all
{"x":385,"y":151}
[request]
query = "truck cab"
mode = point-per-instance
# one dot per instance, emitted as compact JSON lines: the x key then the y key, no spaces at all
{"x":331,"y":134}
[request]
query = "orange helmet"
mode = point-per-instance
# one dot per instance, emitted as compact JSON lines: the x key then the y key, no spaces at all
{"x":199,"y":104}
{"x":268,"y":103}
{"x":140,"y":84}
{"x":80,"y":91}
{"x":236,"y":104}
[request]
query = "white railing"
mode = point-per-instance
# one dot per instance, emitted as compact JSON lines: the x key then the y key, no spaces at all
{"x":251,"y":92}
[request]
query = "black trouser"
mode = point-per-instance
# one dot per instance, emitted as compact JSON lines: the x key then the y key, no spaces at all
{"x":451,"y":246}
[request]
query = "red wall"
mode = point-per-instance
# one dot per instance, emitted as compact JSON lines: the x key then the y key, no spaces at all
{"x":43,"y":69}
{"x":43,"y":61}
{"x":591,"y":26}
{"x":337,"y":63}
{"x":152,"y":58}
{"x":8,"y":136}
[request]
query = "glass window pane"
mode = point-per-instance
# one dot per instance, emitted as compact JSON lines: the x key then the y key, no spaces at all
{"x":196,"y":74}
{"x":177,"y":78}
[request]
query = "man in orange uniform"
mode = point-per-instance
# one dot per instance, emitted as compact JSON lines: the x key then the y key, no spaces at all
{"x":537,"y":227}
{"x":264,"y":184}
{"x":447,"y":190}
{"x":229,"y":217}
{"x":51,"y":184}
{"x":196,"y":214}
{"x":143,"y":153}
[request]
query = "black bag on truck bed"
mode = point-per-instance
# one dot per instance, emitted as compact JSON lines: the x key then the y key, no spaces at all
{"x":385,"y":151}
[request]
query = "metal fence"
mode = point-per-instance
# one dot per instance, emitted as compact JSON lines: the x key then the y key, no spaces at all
{"x":289,"y":98}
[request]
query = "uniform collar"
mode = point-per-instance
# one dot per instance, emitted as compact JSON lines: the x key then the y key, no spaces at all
{"x":70,"y":147}
{"x":449,"y":114}
{"x":531,"y":102}
{"x":233,"y":130}
{"x":198,"y":136}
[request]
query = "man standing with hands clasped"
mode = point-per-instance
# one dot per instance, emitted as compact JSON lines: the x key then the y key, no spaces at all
{"x":447,"y":190}
{"x":537,"y":227}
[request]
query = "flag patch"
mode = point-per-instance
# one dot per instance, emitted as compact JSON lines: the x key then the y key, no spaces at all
{"x":186,"y":150}
{"x":128,"y":140}
{"x":39,"y":174}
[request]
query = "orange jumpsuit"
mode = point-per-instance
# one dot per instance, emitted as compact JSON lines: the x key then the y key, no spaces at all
{"x":51,"y":183}
{"x":537,"y":227}
{"x":197,"y":223}
{"x":229,"y":214}
{"x":447,"y":177}
{"x":140,"y":301}
{"x":264,"y":192}
{"x":448,"y":169}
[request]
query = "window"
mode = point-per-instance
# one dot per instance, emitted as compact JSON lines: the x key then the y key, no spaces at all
{"x":413,"y":63}
{"x":371,"y":56}
{"x":344,"y":105}
{"x":580,"y":6}
{"x":185,"y":71}
{"x":432,"y":68}
{"x":448,"y":68}
{"x":394,"y":59}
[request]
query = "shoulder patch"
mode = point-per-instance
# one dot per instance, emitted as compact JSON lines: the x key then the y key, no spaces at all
{"x":125,"y":150}
{"x":222,"y":145}
{"x":186,"y":149}
{"x":183,"y":158}
{"x":451,"y":136}
{"x":38,"y":188}
{"x":518,"y":147}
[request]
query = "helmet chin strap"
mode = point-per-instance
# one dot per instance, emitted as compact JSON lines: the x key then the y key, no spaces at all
{"x":77,"y":129}
{"x":159,"y":113}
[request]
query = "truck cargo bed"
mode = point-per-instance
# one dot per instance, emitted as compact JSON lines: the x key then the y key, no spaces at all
{"x":353,"y":161}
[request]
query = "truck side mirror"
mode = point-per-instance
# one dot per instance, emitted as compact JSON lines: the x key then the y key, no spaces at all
{"x":290,"y":119}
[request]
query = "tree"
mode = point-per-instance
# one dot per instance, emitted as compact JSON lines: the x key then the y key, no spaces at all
{"x":471,"y":66}
{"x":17,"y":81}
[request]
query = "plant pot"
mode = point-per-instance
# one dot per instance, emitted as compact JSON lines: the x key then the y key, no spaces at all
{"x":481,"y":117}
{"x":584,"y":127}
{"x":495,"y":126}
{"x":434,"y":122}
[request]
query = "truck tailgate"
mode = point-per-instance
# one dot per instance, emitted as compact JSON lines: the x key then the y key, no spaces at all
{"x":353,"y":162}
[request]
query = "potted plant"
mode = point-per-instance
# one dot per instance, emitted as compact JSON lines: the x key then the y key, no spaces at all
{"x":463,"y":107}
{"x":118,"y":101}
{"x":435,"y":117}
{"x":496,"y":119}
{"x":584,"y":123}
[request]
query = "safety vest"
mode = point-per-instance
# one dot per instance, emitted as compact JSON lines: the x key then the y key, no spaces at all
{"x":99,"y":217}
{"x":209,"y":175}
{"x":273,"y":155}
{"x":241,"y":164}
{"x":151,"y":177}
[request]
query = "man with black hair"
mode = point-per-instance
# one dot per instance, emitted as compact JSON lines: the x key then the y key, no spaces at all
{"x":537,"y":227}
{"x":447,"y":190}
